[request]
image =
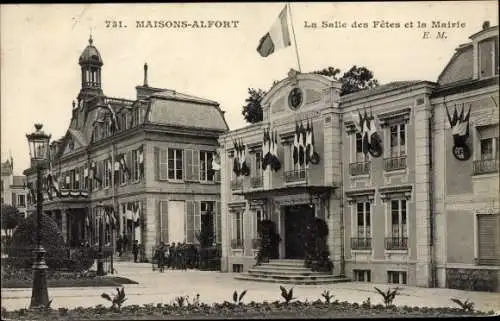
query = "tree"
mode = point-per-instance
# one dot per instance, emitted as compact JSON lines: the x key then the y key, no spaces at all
{"x":10,"y":218}
{"x":252,"y":111}
{"x":355,"y":79}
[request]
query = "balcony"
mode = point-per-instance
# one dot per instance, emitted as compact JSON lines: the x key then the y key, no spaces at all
{"x":360,"y":168}
{"x":361,"y":243}
{"x":295,"y":176}
{"x":396,"y":243}
{"x":395,"y":163}
{"x":257,"y":181}
{"x":236,"y":244}
{"x":485,"y":166}
{"x":236,"y":184}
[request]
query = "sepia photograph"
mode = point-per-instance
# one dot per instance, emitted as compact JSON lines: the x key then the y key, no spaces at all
{"x":279,"y":160}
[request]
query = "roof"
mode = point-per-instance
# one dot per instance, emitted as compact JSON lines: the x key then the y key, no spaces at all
{"x":6,"y":168}
{"x":459,"y":67}
{"x":172,"y":108}
{"x":90,"y":54}
{"x":174,"y":95}
{"x":18,"y":180}
{"x":379,"y":89}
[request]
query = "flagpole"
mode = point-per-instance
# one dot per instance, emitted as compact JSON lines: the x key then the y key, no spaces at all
{"x":294,"y":38}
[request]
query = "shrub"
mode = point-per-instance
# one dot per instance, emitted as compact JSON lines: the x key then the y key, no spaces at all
{"x":287,"y":295}
{"x":466,"y":305}
{"x":237,"y":299}
{"x":82,"y":259}
{"x":117,"y":300}
{"x":389,"y":295}
{"x":24,"y":242}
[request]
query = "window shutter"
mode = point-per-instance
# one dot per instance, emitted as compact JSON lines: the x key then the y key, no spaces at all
{"x":218,"y":223}
{"x":157,"y":163}
{"x":188,"y":164}
{"x":190,"y":221}
{"x":164,"y":221}
{"x":130,"y":165}
{"x":197,"y":219}
{"x":217,"y":176}
{"x":163,"y":159}
{"x":14,"y":200}
{"x":488,"y":229}
{"x":196,"y":165}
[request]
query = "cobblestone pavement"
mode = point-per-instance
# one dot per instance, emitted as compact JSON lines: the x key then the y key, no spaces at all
{"x":155,"y":287}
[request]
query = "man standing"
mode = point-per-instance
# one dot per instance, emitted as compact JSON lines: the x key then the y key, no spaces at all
{"x":135,"y":250}
{"x":119,"y":243}
{"x":125,"y":243}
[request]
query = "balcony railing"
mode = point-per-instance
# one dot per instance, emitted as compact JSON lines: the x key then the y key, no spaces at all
{"x":361,"y":243}
{"x":256,"y":181}
{"x":485,"y":166}
{"x":395,"y":163}
{"x":236,"y":243}
{"x":396,"y":243}
{"x":255,"y":244}
{"x":295,"y":176}
{"x":236,"y":184}
{"x":360,"y":168}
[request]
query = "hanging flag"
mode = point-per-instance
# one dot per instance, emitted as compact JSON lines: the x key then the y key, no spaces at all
{"x":113,"y":120}
{"x":356,"y":119}
{"x":301,"y":144}
{"x":117,"y":170}
{"x":278,"y":36}
{"x":135,"y":215}
{"x":245,"y":170}
{"x":216,"y":161}
{"x":374,"y":140}
{"x":365,"y":132}
{"x":236,"y":161}
{"x":87,"y":220}
{"x":123,"y":164}
{"x":141,"y":162}
{"x":276,"y":164}
{"x":295,"y":154}
{"x":308,"y":144}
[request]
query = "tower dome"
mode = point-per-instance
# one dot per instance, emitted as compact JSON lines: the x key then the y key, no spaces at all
{"x":90,"y":55}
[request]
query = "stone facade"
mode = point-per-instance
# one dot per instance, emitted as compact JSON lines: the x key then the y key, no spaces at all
{"x":143,"y":166}
{"x":409,"y":216}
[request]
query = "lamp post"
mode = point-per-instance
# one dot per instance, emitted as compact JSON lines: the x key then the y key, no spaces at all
{"x":100,"y":254}
{"x":39,"y":155}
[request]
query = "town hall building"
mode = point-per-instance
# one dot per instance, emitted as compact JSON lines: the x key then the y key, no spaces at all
{"x":404,"y":175}
{"x":140,"y":167}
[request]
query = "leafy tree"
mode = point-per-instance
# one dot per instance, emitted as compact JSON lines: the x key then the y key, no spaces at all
{"x":355,"y":79}
{"x":10,"y":218}
{"x":252,"y":111}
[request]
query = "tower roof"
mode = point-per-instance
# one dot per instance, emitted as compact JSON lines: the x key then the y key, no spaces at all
{"x":90,"y":54}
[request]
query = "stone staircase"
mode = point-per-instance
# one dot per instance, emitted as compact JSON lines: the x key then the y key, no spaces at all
{"x":288,"y":272}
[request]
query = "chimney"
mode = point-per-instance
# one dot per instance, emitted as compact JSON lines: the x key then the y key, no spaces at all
{"x":486,"y":25}
{"x":145,"y":75}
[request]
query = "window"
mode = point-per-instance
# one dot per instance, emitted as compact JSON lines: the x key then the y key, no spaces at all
{"x":258,"y":164}
{"x":489,"y":148}
{"x":135,"y":165}
{"x":76,"y":180}
{"x":21,"y":200}
{"x":488,"y":57}
{"x":363,"y":216}
{"x":398,"y":140}
{"x":123,"y":173}
{"x":123,"y":122}
{"x":206,"y":171}
{"x":107,"y":173}
{"x":237,"y":241}
{"x":362,"y":275}
{"x":237,"y":268}
{"x":398,"y":239}
{"x":175,"y":164}
{"x":360,"y":156}
{"x":488,"y":239}
{"x":396,"y":277}
{"x":208,"y":221}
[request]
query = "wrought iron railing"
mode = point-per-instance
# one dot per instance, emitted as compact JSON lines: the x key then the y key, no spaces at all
{"x":360,"y":168}
{"x":257,"y":181}
{"x":485,"y":166}
{"x":236,"y":184}
{"x":395,"y":163}
{"x":236,"y":243}
{"x":361,"y":243}
{"x":396,"y":243}
{"x":295,"y":176}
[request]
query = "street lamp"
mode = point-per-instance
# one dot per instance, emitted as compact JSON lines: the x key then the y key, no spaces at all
{"x":100,"y":254}
{"x":39,"y":155}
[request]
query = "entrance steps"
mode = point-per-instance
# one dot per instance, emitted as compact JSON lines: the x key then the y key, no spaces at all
{"x":288,"y":272}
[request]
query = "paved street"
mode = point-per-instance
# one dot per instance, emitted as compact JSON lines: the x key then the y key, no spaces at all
{"x":155,"y":287}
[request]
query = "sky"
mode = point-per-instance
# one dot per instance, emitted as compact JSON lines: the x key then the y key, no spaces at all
{"x":40,"y":46}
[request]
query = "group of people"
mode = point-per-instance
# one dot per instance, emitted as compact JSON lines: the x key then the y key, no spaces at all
{"x":122,"y":246}
{"x":180,"y":256}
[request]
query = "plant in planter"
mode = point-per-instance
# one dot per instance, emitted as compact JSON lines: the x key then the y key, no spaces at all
{"x":287,"y":294}
{"x":237,"y":299}
{"x":389,"y":295}
{"x":268,"y":241}
{"x":117,"y":300}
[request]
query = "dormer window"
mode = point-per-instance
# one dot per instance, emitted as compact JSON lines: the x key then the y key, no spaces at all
{"x":488,"y":57}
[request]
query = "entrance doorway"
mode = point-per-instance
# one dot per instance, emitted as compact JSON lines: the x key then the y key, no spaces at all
{"x":296,"y":218}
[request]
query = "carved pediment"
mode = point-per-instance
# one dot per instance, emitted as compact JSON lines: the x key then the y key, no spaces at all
{"x":395,"y":192}
{"x":361,"y":195}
